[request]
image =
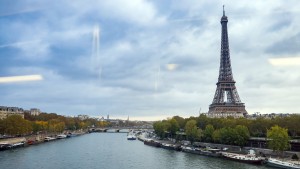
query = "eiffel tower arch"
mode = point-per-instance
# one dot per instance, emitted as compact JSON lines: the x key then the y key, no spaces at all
{"x":226,"y":101}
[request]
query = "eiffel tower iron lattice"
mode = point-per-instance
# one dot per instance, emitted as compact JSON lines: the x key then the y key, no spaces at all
{"x":232,"y":106}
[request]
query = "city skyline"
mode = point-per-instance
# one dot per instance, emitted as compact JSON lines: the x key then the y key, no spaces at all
{"x":157,"y":59}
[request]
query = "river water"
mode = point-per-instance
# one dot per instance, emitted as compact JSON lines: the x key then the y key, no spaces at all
{"x":108,"y":151}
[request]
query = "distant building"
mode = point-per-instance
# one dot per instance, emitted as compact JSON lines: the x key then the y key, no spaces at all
{"x":267,"y":116}
{"x":8,"y":111}
{"x":113,"y":121}
{"x":224,"y":115}
{"x":248,"y":116}
{"x":102,"y":119}
{"x":83,"y":117}
{"x":35,"y":112}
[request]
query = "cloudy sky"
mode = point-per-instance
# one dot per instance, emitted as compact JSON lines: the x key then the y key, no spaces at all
{"x":154,"y":59}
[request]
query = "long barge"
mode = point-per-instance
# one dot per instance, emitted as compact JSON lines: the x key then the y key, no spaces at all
{"x":202,"y":151}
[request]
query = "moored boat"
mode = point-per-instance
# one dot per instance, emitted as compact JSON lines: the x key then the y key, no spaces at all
{"x":31,"y":142}
{"x":16,"y":145}
{"x":61,"y":136}
{"x":171,"y":146}
{"x":281,"y":164}
{"x":131,"y":136}
{"x":47,"y":139}
{"x":141,"y":139}
{"x":245,"y":158}
{"x":151,"y":142}
{"x":72,"y":135}
{"x":4,"y":146}
{"x":210,"y":152}
{"x":202,"y":151}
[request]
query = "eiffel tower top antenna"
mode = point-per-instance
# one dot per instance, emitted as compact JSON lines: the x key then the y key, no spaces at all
{"x":223,"y":10}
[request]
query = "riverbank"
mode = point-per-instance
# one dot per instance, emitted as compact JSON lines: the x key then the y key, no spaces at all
{"x":8,"y":143}
{"x":223,"y":151}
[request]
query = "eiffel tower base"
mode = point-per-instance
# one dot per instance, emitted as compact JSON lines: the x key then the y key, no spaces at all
{"x":227,"y":110}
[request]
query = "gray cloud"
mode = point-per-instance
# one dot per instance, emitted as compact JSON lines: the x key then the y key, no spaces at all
{"x":286,"y":46}
{"x":136,"y":41}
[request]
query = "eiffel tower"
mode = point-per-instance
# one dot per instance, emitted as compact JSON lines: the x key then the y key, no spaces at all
{"x":232,"y":106}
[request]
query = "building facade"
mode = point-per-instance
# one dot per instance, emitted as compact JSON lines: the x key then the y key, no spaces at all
{"x":8,"y":111}
{"x":83,"y":117}
{"x":34,"y":111}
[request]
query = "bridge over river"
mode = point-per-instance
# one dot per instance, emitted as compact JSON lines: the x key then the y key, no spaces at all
{"x":119,"y":129}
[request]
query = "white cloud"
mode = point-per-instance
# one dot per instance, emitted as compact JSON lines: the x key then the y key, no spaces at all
{"x":12,"y":79}
{"x":291,"y":61}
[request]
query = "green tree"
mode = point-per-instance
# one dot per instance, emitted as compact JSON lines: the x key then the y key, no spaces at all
{"x":208,"y":133}
{"x":217,"y":122}
{"x":228,"y":122}
{"x":278,"y":139}
{"x":174,"y":126}
{"x":158,"y":128}
{"x":228,"y":135}
{"x":35,"y":127}
{"x":293,"y":124}
{"x":243,"y":121}
{"x":242,"y":135}
{"x":180,"y":121}
{"x":202,"y":121}
{"x":161,"y":127}
{"x":216,"y":136}
{"x":191,"y":131}
{"x":70,"y":123}
{"x":259,"y":126}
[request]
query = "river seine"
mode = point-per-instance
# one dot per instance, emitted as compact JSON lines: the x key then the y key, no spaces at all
{"x":108,"y":150}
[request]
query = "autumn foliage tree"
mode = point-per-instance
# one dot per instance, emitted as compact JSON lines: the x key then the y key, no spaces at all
{"x":16,"y":125}
{"x":55,"y":125}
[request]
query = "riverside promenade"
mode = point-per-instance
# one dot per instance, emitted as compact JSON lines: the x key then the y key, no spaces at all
{"x":12,"y":140}
{"x":34,"y":139}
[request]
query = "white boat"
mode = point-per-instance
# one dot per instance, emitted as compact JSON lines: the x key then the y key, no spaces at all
{"x":20,"y":144}
{"x":282,"y":164}
{"x":61,"y":136}
{"x":49,"y":139}
{"x":246,"y":158}
{"x":131,"y":136}
{"x":171,"y":146}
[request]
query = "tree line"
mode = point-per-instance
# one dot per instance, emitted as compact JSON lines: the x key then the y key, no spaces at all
{"x":16,"y":125}
{"x":233,"y":131}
